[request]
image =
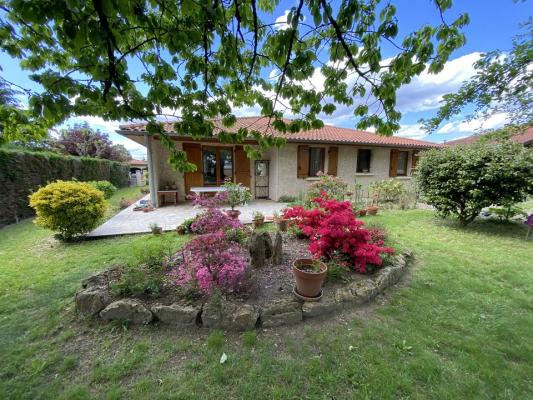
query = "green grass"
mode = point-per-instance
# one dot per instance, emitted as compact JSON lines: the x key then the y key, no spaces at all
{"x":460,"y":327}
{"x":131,"y":193}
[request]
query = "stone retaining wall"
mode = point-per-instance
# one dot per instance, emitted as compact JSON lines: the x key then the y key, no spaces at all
{"x":94,"y":300}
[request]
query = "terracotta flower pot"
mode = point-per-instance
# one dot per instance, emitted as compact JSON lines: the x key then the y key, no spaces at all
{"x":181,"y":230}
{"x":362,"y":212}
{"x":157,"y":231}
{"x":372,"y":210}
{"x":233,"y":214}
{"x":282,"y":224}
{"x":309,"y":275}
{"x":258,"y":222}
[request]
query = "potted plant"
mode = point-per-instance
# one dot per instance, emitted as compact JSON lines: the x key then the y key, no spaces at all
{"x":309,"y":276}
{"x":237,"y":194}
{"x":281,"y":222}
{"x":373,"y":208}
{"x":258,"y":219}
{"x":362,"y":212}
{"x":181,"y":229}
{"x":156,"y":229}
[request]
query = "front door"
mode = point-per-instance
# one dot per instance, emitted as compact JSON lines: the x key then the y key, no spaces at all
{"x":261,"y":179}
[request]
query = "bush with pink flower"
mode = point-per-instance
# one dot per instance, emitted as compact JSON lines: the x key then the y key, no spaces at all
{"x":334,"y":232}
{"x":211,"y":261}
{"x":214,"y":220}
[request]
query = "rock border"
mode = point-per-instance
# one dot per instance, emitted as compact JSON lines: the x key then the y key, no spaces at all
{"x":94,"y":300}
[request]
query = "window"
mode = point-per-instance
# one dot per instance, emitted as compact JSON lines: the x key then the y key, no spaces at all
{"x":217,"y":165}
{"x":316,"y":160}
{"x":401,"y":168}
{"x":363,"y":161}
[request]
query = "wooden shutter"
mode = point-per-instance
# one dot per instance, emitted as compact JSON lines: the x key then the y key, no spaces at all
{"x":393,"y":169}
{"x":333,"y":156}
{"x":414,"y":160}
{"x":194,"y":156}
{"x":303,"y":162}
{"x":242,"y":167}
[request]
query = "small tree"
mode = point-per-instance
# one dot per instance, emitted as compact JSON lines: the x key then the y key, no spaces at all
{"x":462,"y":180}
{"x":82,"y":140}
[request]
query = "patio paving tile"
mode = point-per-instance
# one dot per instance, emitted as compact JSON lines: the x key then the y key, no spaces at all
{"x":169,"y":217}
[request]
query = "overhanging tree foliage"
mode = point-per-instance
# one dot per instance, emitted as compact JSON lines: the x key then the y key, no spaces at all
{"x":503,"y":83}
{"x":202,"y":59}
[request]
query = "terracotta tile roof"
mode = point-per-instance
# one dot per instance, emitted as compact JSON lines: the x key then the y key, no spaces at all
{"x":326,"y":134}
{"x":138,"y":162}
{"x":525,"y":138}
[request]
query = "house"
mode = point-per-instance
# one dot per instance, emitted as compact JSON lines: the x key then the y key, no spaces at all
{"x":137,"y":172}
{"x":138,"y":165}
{"x":347,"y":153}
{"x":525,"y":138}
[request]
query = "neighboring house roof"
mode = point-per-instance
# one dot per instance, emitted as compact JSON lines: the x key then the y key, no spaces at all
{"x":525,"y":138}
{"x":133,"y":161}
{"x":326,"y":134}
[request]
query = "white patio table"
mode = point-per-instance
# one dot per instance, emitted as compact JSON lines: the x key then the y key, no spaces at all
{"x":199,"y":190}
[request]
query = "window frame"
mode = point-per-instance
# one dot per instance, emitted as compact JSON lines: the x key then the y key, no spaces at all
{"x":398,"y":163}
{"x":322,"y":161}
{"x":218,"y":160}
{"x":369,"y":152}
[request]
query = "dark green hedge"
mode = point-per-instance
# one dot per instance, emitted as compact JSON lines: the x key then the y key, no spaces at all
{"x":23,"y":172}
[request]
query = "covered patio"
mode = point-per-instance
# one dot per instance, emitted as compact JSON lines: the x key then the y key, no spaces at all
{"x":129,"y":222}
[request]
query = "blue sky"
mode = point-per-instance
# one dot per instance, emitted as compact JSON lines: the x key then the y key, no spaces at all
{"x":493,"y":24}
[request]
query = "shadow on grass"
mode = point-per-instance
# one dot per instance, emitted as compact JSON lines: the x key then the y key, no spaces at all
{"x":507,"y":229}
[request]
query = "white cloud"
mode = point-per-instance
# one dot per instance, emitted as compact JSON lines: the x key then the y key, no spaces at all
{"x":494,"y":121}
{"x":426,"y":90}
{"x":411,"y":131}
{"x":281,"y":21}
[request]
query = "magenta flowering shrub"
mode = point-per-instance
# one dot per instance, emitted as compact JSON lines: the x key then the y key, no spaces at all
{"x":216,"y":201}
{"x":213,"y":220}
{"x":211,"y":261}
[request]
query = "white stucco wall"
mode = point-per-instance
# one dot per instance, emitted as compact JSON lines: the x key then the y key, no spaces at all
{"x":283,"y":168}
{"x":286,"y":182}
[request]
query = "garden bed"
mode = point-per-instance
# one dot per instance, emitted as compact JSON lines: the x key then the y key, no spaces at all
{"x":267,"y":302}
{"x":232,"y":277}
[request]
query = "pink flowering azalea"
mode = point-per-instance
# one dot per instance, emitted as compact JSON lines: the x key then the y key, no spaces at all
{"x":333,"y":229}
{"x":216,"y":201}
{"x":210,"y":261}
{"x":213,"y":220}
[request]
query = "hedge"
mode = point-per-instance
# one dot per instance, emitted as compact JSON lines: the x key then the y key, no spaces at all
{"x":23,"y":172}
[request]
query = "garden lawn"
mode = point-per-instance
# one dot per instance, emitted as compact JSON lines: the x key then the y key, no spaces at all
{"x":458,"y":327}
{"x":131,"y":193}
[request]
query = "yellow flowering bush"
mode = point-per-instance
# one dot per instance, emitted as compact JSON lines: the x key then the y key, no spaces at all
{"x":70,"y":208}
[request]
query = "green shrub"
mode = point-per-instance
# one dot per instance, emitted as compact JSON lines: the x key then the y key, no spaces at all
{"x":296,"y":232}
{"x":337,"y":272}
{"x":287,"y":199}
{"x":69,"y":208}
{"x":238,"y":235}
{"x":334,"y":188}
{"x":106,"y":187}
{"x":462,"y":180}
{"x":138,"y":281}
{"x":388,"y":190}
{"x":144,"y":275}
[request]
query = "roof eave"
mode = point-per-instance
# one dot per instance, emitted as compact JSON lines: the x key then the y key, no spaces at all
{"x":327,"y":142}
